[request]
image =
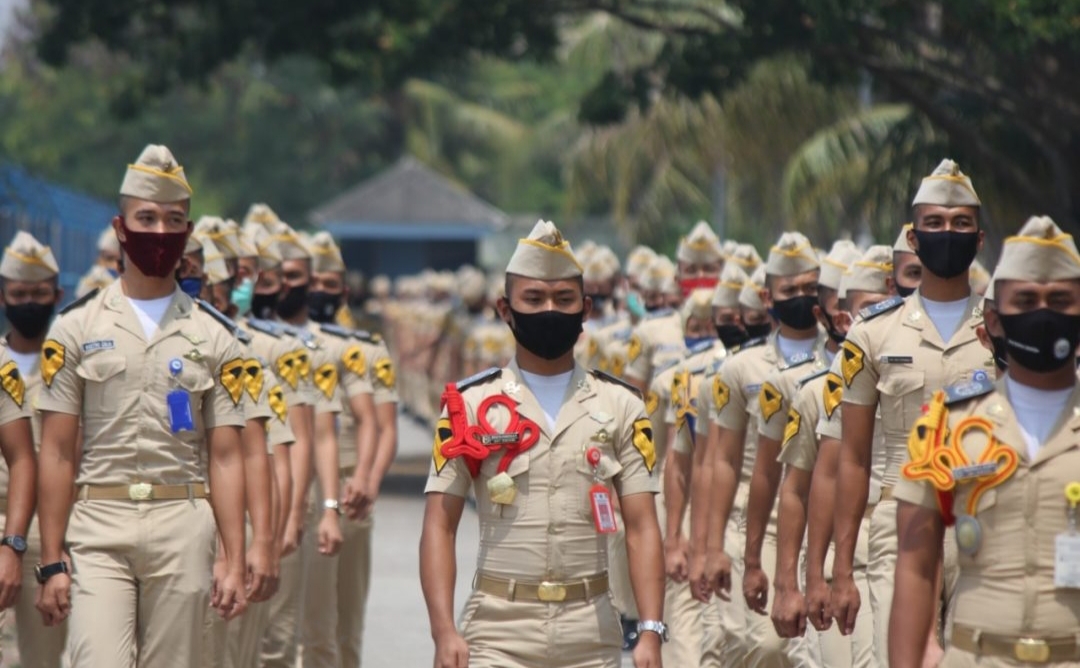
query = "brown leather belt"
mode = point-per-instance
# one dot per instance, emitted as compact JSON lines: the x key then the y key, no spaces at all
{"x":142,"y":491}
{"x":547,"y":592}
{"x":1027,"y":650}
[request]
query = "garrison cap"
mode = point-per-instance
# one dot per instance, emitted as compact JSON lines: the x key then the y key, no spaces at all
{"x":792,"y":255}
{"x":156,"y":176}
{"x":26,"y":259}
{"x":839,"y":260}
{"x":947,"y":186}
{"x":544,"y":255}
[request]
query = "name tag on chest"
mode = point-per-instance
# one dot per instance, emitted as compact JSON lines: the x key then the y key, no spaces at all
{"x":897,"y":359}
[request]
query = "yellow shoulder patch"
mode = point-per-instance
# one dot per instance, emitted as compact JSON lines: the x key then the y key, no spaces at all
{"x":253,"y":378}
{"x":634,"y":350}
{"x":384,"y":373}
{"x":288,"y":368}
{"x":852,"y":362}
{"x":618,"y":366}
{"x":326,"y":379}
{"x":303,"y":361}
{"x":721,"y":393}
{"x":652,"y":402}
{"x":52,"y":360}
{"x":276,"y":399}
{"x":643,"y":441}
{"x":791,"y":429}
{"x":769,"y":400}
{"x":354,"y":360}
{"x":232,"y":379}
{"x":443,"y":434}
{"x":832,"y":393}
{"x":13,"y":383}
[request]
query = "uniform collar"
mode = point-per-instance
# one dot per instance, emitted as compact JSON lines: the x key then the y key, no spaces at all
{"x":913,"y":315}
{"x":580,"y":389}
{"x":1007,"y":427}
{"x":178,"y":312}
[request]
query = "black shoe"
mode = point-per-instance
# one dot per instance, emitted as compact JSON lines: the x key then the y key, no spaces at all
{"x":629,"y":634}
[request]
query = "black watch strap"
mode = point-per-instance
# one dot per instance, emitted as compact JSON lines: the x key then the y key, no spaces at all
{"x":44,"y":572}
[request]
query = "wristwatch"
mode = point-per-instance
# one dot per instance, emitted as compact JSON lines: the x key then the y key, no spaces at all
{"x":16,"y":543}
{"x":43,"y":573}
{"x":659,"y":628}
{"x":332,"y":504}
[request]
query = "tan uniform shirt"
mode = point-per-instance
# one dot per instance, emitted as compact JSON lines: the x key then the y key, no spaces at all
{"x":658,"y":338}
{"x":800,"y":444}
{"x":548,"y":531}
{"x":97,"y":363}
{"x":683,"y":409}
{"x":1007,"y":586}
{"x":17,"y":401}
{"x":289,"y":358}
{"x":897,"y":359}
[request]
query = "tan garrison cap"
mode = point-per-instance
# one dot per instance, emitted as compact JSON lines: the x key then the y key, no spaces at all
{"x":869,"y":272}
{"x":380,"y":286}
{"x":1039,"y":252}
{"x":266,"y":248}
{"x":107,"y":241}
{"x":792,"y":255}
{"x":700,"y":246}
{"x":261,"y":214}
{"x":214,"y":263}
{"x":156,"y":177}
{"x":839,"y":260}
{"x":325,"y":254}
{"x":638,"y":261}
{"x":602,"y":265}
{"x":746,"y":256}
{"x":97,"y":278}
{"x":289,"y":243}
{"x":750,"y":296}
{"x":947,"y":186}
{"x":726,"y":294}
{"x":697,"y":305}
{"x":544,"y":255}
{"x":215,"y":229}
{"x":194,"y":244}
{"x":472,"y":285}
{"x":660,"y":271}
{"x":25,"y":259}
{"x":901,"y":245}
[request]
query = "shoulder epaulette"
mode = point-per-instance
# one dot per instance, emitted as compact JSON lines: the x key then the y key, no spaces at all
{"x":817,"y":374}
{"x":666,"y":365}
{"x":81,"y":301}
{"x":366,"y":336}
{"x":701,"y":347}
{"x":701,"y":368}
{"x":225,"y":320}
{"x":874,"y":310}
{"x":475,"y":379}
{"x":979,"y":385}
{"x":336,"y":330}
{"x":617,"y":381}
{"x":306,"y":337}
{"x":752,"y":343}
{"x":266,"y":327}
{"x":659,"y":313}
{"x":798,"y":359}
{"x":622,"y":334}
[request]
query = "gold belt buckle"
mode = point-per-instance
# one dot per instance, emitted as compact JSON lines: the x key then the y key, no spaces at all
{"x":141,"y":491}
{"x":1032,"y":650}
{"x":550,"y":592}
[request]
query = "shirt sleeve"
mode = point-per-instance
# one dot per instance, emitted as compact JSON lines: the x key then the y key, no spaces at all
{"x":383,"y":375}
{"x":446,"y":476}
{"x":257,"y":387}
{"x":830,"y":404}
{"x":354,"y":366}
{"x":287,"y":366}
{"x":729,"y":397}
{"x":326,"y":378}
{"x":220,"y":408}
{"x":799,"y":446}
{"x":774,"y":402}
{"x":62,"y":388}
{"x":279,"y":432}
{"x":856,"y":366}
{"x":705,"y":406}
{"x":920,"y":493}
{"x":639,"y":356}
{"x":636,"y":450}
{"x":14,"y":403}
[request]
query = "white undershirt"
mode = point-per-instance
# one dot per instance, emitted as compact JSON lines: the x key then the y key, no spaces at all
{"x":25,"y":361}
{"x":946,"y":316}
{"x":1037,"y":411}
{"x":549,"y":392}
{"x":150,"y":312}
{"x":789,"y":347}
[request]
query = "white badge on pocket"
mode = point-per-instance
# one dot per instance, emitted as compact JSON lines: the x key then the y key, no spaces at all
{"x":1067,"y":545}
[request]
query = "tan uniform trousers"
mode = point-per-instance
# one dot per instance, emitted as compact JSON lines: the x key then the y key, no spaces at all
{"x":40,"y":646}
{"x":335,"y":597}
{"x":765,"y":648}
{"x":882,"y":565}
{"x":140,"y":582}
{"x":733,"y":640}
{"x":278,"y":647}
{"x":832,"y":648}
{"x":524,"y":634}
{"x":236,"y":644}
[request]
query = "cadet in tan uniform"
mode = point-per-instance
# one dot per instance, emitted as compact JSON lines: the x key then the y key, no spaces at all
{"x":545,"y":444}
{"x":894,"y":358}
{"x":816,"y":402}
{"x":158,"y":386}
{"x":999,"y":460}
{"x":907,"y":268}
{"x":28,"y":285}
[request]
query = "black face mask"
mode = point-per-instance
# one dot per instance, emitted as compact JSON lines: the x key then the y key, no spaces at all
{"x":292,"y":300}
{"x":547,"y":334}
{"x":731,"y":335}
{"x":797,"y":312}
{"x":1041,"y":340}
{"x":264,"y":306}
{"x":758,"y":331}
{"x":30,"y":319}
{"x":322,"y":306}
{"x":998,"y":343}
{"x":904,"y":292}
{"x":947,"y":254}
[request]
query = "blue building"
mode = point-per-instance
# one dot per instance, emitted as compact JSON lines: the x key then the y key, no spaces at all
{"x":407,"y":219}
{"x":67,"y":221}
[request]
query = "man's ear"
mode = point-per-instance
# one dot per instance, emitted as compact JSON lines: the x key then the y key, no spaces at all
{"x":912,"y":240}
{"x":118,"y":228}
{"x":843,"y":321}
{"x":766,"y":297}
{"x":587,"y":308}
{"x":992,"y":323}
{"x":502,"y":307}
{"x":890,"y":285}
{"x":984,"y":337}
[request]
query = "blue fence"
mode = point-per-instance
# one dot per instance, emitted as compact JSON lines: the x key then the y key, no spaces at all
{"x":67,"y":221}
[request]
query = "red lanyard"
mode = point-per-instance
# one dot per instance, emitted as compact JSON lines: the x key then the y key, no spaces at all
{"x":477,"y":442}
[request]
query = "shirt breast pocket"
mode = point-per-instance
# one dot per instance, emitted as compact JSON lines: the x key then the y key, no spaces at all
{"x":587,"y":476}
{"x":196,"y":380}
{"x":105,"y":380}
{"x":901,"y":398}
{"x":519,"y":472}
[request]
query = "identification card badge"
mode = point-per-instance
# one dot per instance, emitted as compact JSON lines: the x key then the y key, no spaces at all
{"x":178,"y":402}
{"x":603,"y":510}
{"x":1067,"y":545}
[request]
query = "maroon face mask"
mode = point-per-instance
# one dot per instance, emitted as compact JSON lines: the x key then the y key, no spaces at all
{"x":154,"y":253}
{"x":688,"y":285}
